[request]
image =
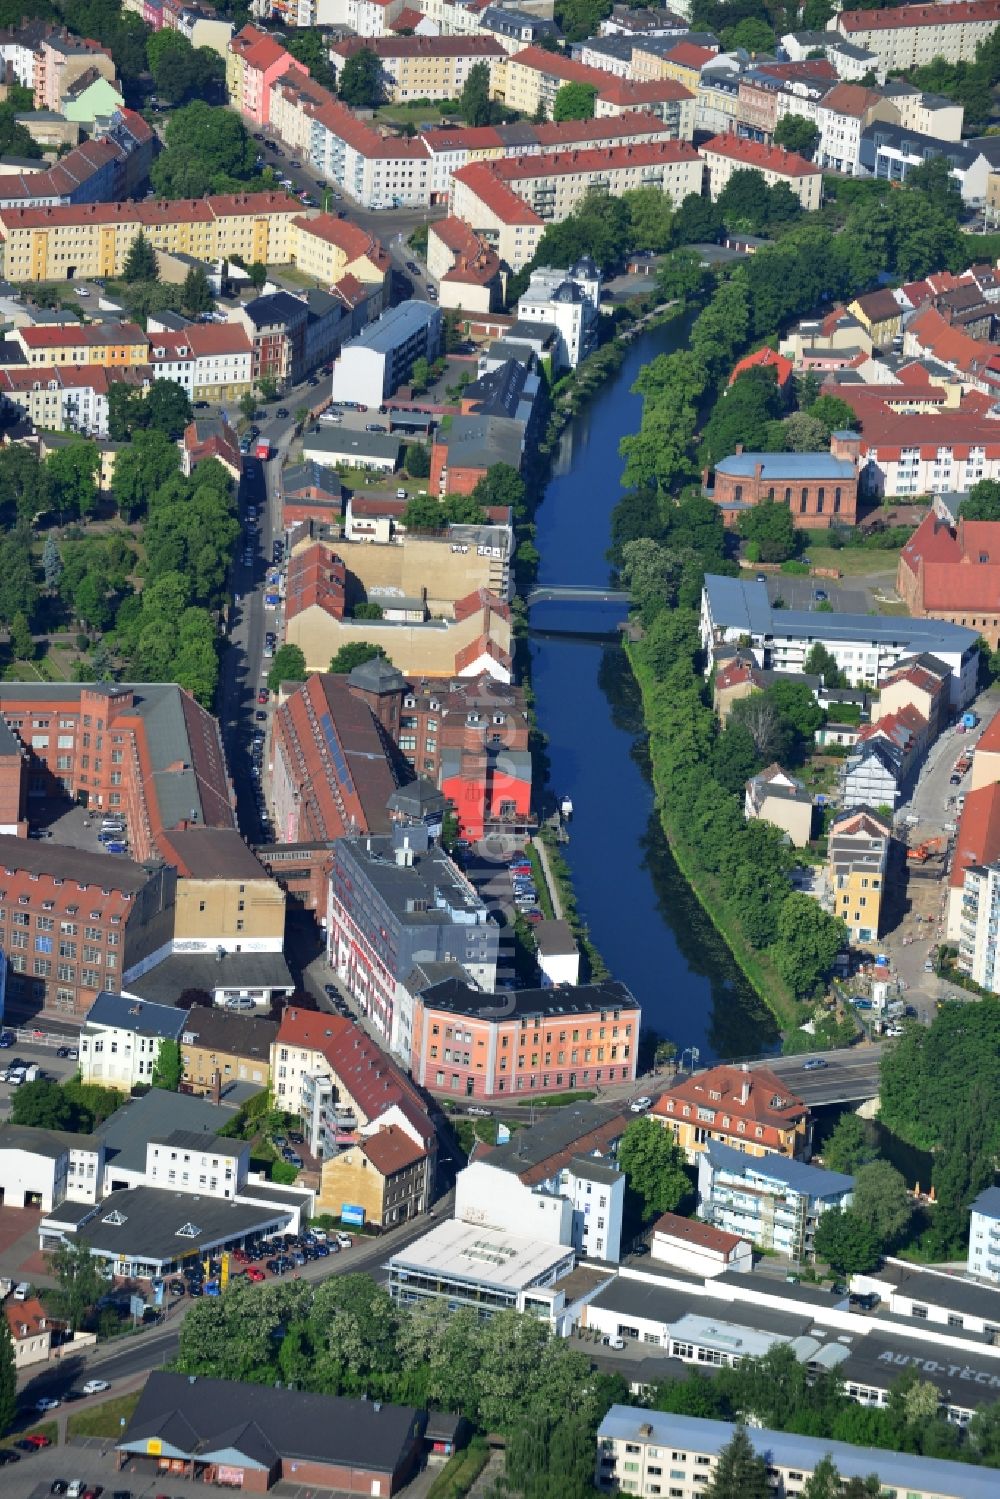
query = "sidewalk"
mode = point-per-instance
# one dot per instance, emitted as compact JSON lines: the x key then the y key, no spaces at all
{"x":543,"y":856}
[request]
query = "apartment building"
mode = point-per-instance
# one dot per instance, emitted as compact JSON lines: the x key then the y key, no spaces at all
{"x":771,"y":1200}
{"x":865,"y":647}
{"x":466,"y":268}
{"x":73,"y":923}
{"x":637,"y":1449}
{"x":858,"y":855}
{"x":111,"y":166}
{"x":984,"y":1236}
{"x":842,"y":115}
{"x":291,"y":334}
{"x":977,"y":847}
{"x":530,"y":1043}
{"x":504,"y":221}
{"x":750,"y":1109}
{"x":726,"y":154}
{"x":70,"y":243}
{"x":253,"y":62}
{"x":911,"y":36}
{"x":60,"y":60}
{"x":427,"y":67}
{"x":535,"y":76}
{"x":220,"y":1048}
{"x":776,"y":797}
{"x":121,"y":1037}
{"x":225,"y":900}
{"x":329,"y":248}
{"x":569,"y":301}
{"x":394,"y":901}
{"x":70,"y":398}
{"x":979,"y":914}
{"x":373,"y":365}
{"x":579,"y":1201}
{"x":92,"y":343}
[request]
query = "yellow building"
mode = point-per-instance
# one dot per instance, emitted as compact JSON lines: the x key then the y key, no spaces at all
{"x":388,"y":1174}
{"x":725,"y":154}
{"x":535,"y":76}
{"x":749,"y":1109}
{"x":427,"y":67}
{"x":858,"y":853}
{"x":225,"y":898}
{"x":328,"y":249}
{"x":71,"y":243}
{"x":880,"y":315}
{"x":219,"y":1048}
{"x":107,"y":344}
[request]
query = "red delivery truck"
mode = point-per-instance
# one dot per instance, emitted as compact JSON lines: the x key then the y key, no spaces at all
{"x":263,"y":448}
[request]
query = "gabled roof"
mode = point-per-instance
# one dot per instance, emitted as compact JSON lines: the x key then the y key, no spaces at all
{"x":978,"y":837}
{"x":392,"y":1150}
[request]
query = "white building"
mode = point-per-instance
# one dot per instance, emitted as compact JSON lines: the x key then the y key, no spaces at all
{"x":578,"y":1204}
{"x":865,"y":646}
{"x":41,"y":1167}
{"x":558,"y":954}
{"x":984,"y":1236}
{"x":121,"y":1039}
{"x":773,"y":1201}
{"x":977,"y":923}
{"x":483,"y":1268}
{"x":698,"y":1248}
{"x":568,"y":301}
{"x":206,"y":1165}
{"x":372,"y":365}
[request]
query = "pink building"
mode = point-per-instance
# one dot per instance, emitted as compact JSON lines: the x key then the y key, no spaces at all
{"x":259,"y":62}
{"x":60,"y":60}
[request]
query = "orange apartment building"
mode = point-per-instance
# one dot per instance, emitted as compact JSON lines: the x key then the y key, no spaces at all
{"x":538,"y":1041}
{"x":751,"y":1110}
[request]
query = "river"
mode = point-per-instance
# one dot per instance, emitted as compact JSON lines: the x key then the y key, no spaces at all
{"x":642,"y":917}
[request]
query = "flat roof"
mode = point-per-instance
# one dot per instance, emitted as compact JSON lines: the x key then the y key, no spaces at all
{"x":351,"y":443}
{"x":192,"y":970}
{"x":457,"y":998}
{"x":468,"y":1252}
{"x":808,"y":1181}
{"x":126,"y":1133}
{"x":395,"y":327}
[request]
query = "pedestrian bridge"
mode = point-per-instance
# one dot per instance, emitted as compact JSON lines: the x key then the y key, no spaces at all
{"x":577,"y":593}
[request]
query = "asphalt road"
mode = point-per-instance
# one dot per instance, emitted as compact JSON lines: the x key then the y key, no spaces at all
{"x":848,"y":1076}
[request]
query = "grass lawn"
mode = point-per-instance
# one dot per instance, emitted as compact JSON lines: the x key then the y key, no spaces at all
{"x":415,"y":114}
{"x":854,"y":562}
{"x":467,"y":1131}
{"x":362,"y":479}
{"x":103,"y":1420}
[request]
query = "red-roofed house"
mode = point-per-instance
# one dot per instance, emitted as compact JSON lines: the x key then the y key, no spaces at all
{"x":698,"y":1248}
{"x":348,"y":1094}
{"x":465,"y":266}
{"x":255,"y":60}
{"x":535,"y":76}
{"x":765,"y":358}
{"x":329,"y":248}
{"x":910,"y":35}
{"x":844,"y":112}
{"x":900,"y":452}
{"x":665,"y":98}
{"x":726,"y":154}
{"x":930,"y":331}
{"x":31,"y":1330}
{"x":752,"y":1110}
{"x":683,"y":63}
{"x":953,"y":574}
{"x":211,"y":437}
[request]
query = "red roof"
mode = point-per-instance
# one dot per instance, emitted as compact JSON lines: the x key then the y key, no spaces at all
{"x":636,"y":93}
{"x":904,"y":16}
{"x":215,"y":338}
{"x":689,"y":56}
{"x":766,"y":358}
{"x":151,"y":213}
{"x":978,"y":839}
{"x":757,"y":154}
{"x":950,"y":344}
{"x":642,"y":154}
{"x":392,"y":1150}
{"x":316,"y":579}
{"x":850,"y":99}
{"x":500,"y":199}
{"x":700,"y":1235}
{"x":481,"y":598}
{"x":346,"y":236}
{"x":407,"y":20}
{"x":555,"y":65}
{"x":420,"y":46}
{"x":756,"y":1097}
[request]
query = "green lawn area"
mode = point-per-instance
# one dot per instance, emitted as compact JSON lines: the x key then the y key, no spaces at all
{"x":854,"y":562}
{"x":415,"y":114}
{"x":361,"y":478}
{"x":103,"y":1420}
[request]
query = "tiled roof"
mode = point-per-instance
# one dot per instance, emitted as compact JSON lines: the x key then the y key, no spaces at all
{"x":642,"y":154}
{"x":689,"y":56}
{"x":421,"y":46}
{"x":700,"y":1235}
{"x":216,"y":338}
{"x":978,"y":838}
{"x":345,"y":236}
{"x":850,"y":99}
{"x":495,"y":195}
{"x":756,"y":154}
{"x":315,"y":579}
{"x":392,"y":1150}
{"x":765,"y":358}
{"x":555,"y":65}
{"x":152,"y":212}
{"x":635,"y":93}
{"x":756,"y":1095}
{"x":951,"y":344}
{"x":904,"y":16}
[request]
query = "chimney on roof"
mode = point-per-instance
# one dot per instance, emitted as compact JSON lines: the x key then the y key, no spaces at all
{"x":745,"y":1084}
{"x":217,"y":1086}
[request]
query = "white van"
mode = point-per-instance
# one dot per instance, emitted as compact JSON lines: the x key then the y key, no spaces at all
{"x":22,"y":1291}
{"x":240,"y":1002}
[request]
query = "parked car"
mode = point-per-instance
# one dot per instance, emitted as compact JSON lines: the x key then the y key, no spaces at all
{"x":867,"y":1300}
{"x":255,"y":1275}
{"x":95,"y":1386}
{"x":814,"y":1064}
{"x":640,"y":1105}
{"x":344,"y":1241}
{"x":262,"y":695}
{"x":47,"y":1402}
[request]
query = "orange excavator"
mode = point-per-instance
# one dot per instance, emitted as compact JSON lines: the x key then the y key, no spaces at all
{"x":924,"y":850}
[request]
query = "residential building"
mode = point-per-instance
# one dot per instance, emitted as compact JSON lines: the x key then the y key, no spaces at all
{"x":776,"y":797}
{"x":557,"y":952}
{"x":920,"y":684}
{"x":221,"y":1047}
{"x":872,"y":775}
{"x":373,"y":365}
{"x":74,"y":242}
{"x":819,"y":489}
{"x":632,"y":1444}
{"x":687,"y":1244}
{"x":464,"y":1265}
{"x":74,"y":923}
{"x":31,"y":1329}
{"x":98,"y":343}
{"x":329,"y":248}
{"x":394,"y":901}
{"x":751,"y":1109}
{"x":767,"y":359}
{"x":663,"y":98}
{"x":952,"y":571}
{"x":226,"y":902}
{"x":771,"y":1200}
{"x":211,"y":437}
{"x":427,"y":67}
{"x":986,"y":761}
{"x":912,"y":36}
{"x":121,"y":1037}
{"x":347,"y":448}
{"x":978,"y":916}
{"x":530,"y":1042}
{"x":60,"y":60}
{"x":570,"y":301}
{"x":891,"y":152}
{"x":465,"y":267}
{"x":535,"y":76}
{"x":381,"y":1179}
{"x":927,"y":114}
{"x":558,"y":1179}
{"x":254,"y":61}
{"x":858,"y":854}
{"x":67,"y":398}
{"x":110,"y":166}
{"x":865,"y":647}
{"x":984,"y":1235}
{"x":851,"y":62}
{"x":841,"y":116}
{"x":291,"y":335}
{"x":725,"y":154}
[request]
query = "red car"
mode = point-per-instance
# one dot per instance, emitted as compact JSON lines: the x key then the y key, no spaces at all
{"x":240,"y":1256}
{"x":37,"y":1440}
{"x":255,"y":1275}
{"x":263,"y":695}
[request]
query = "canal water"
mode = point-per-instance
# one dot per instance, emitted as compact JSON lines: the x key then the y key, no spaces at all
{"x":641,"y":914}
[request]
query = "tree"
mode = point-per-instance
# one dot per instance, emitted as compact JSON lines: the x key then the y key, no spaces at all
{"x":769,"y":527}
{"x":652,"y":572}
{"x":502,"y":487}
{"x":734,"y":758}
{"x":653,"y":1164}
{"x":743,"y":415}
{"x":752,"y":34}
{"x":574,"y":101}
{"x":257,"y":272}
{"x":475,"y":106}
{"x":982,"y":502}
{"x":289,"y":665}
{"x":72,"y":474}
{"x":849,"y":1245}
{"x":150,"y":459}
{"x":420,"y":375}
{"x":651,"y":219}
{"x":51,"y":563}
{"x":21,"y":641}
{"x":697,"y":221}
{"x":140,"y":262}
{"x":808,"y":942}
{"x":169,"y":408}
{"x":196,"y":294}
{"x":418,"y":461}
{"x":834,"y":413}
{"x":81,"y":1284}
{"x":743,"y":202}
{"x":208,"y":150}
{"x":882,"y":1201}
{"x":361,"y":83}
{"x":739,"y":1472}
{"x":356,"y":653}
{"x":802,"y":433}
{"x":8,"y":1379}
{"x":169,"y":1066}
{"x":848,"y":1148}
{"x":796,"y":133}
{"x":933,"y":178}
{"x":42,"y":1104}
{"x":822,"y":663}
